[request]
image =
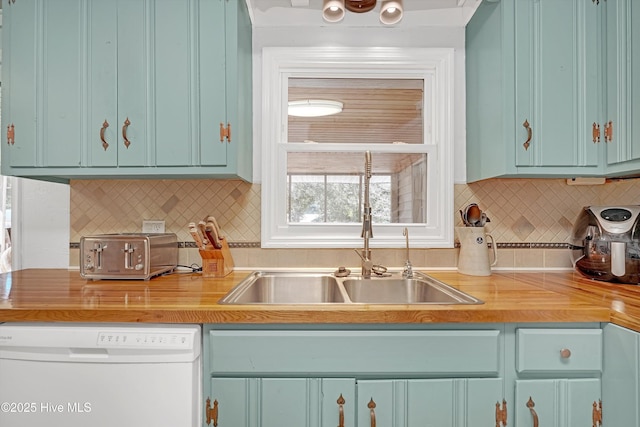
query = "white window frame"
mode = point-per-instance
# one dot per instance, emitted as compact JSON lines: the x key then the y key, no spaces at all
{"x":430,"y":64}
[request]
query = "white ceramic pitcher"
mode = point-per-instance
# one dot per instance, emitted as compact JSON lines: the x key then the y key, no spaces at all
{"x":474,"y":253}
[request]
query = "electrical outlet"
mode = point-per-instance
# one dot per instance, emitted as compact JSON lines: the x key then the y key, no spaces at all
{"x":153,"y":226}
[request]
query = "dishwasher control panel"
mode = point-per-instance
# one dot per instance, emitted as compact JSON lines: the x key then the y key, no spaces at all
{"x":159,"y":340}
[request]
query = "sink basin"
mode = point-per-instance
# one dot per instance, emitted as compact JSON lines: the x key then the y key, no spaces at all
{"x":318,"y":288}
{"x":424,"y":290}
{"x":285,"y":288}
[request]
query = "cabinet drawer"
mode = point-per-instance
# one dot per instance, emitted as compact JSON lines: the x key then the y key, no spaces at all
{"x":557,"y":350}
{"x":415,"y":353}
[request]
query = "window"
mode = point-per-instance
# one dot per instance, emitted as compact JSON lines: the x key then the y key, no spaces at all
{"x":336,"y":198}
{"x":397,"y":104}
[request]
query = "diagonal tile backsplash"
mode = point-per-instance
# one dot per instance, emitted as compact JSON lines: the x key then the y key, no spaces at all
{"x":120,"y":206}
{"x":522,"y":211}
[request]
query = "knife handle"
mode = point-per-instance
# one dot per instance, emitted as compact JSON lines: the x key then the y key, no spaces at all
{"x":213,"y":220}
{"x":196,"y":236}
{"x":211,"y":234}
{"x":205,"y":239}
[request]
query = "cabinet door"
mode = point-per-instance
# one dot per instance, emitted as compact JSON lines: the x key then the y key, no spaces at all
{"x":189,"y":82}
{"x":623,"y":91}
{"x":63,"y":79}
{"x":45,"y":57}
{"x":442,"y":402}
{"x":558,"y":95}
{"x":19,"y":85}
{"x":621,"y":376}
{"x":118,"y":38}
{"x":175,"y":88}
{"x":213,"y":73}
{"x":102,"y":129}
{"x":277,"y":402}
{"x":134,"y":36}
{"x":557,"y":403}
{"x":193,"y":66}
{"x":239,"y":101}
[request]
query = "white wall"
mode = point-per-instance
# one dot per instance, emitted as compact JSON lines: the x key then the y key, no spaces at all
{"x":40,"y":224}
{"x":449,"y":37}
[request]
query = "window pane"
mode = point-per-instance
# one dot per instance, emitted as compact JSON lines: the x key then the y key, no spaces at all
{"x":343,"y":199}
{"x":306,"y":198}
{"x":380,"y":198}
{"x":326,"y":187}
{"x":378,"y":111}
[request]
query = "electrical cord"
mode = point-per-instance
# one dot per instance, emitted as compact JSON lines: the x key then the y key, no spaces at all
{"x":193,"y":268}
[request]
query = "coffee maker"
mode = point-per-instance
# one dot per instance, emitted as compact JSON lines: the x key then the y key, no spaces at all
{"x":606,"y":243}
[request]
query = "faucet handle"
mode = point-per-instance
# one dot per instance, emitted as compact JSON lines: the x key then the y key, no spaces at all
{"x":361,"y":255}
{"x":407,"y":273}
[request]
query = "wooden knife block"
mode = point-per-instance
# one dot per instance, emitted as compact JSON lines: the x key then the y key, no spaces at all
{"x":217,"y":262}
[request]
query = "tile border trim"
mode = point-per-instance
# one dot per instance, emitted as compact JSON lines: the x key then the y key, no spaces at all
{"x":256,"y":245}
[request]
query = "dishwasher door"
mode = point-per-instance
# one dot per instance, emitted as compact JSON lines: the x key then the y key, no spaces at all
{"x":99,"y":375}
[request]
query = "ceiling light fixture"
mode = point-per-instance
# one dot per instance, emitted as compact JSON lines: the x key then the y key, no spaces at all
{"x":390,"y":12}
{"x":333,"y":10}
{"x":314,"y":108}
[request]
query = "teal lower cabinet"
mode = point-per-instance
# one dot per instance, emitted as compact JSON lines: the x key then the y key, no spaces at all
{"x":558,"y":403}
{"x":454,"y":375}
{"x":621,"y":377}
{"x":348,"y":376}
{"x":429,"y":402}
{"x":558,"y":370}
{"x":277,"y":402}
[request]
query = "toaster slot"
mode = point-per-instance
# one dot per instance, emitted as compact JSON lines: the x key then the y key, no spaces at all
{"x":128,"y":255}
{"x":97,"y":250}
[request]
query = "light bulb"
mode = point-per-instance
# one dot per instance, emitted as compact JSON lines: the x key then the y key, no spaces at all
{"x":391,"y":12}
{"x":333,"y":10}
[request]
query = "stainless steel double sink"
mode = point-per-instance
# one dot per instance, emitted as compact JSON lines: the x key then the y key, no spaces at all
{"x":318,"y":288}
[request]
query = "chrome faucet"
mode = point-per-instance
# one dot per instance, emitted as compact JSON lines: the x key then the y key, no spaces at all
{"x":367,"y":230}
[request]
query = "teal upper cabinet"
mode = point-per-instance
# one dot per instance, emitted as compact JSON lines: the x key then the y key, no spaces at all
{"x":557,"y":93}
{"x":122,"y":89}
{"x":41,"y":106}
{"x":19,"y":77}
{"x":623,"y":88}
{"x":117,"y":92}
{"x":534,"y":92}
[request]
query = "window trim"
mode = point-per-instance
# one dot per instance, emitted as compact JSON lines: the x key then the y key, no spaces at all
{"x":425,"y":63}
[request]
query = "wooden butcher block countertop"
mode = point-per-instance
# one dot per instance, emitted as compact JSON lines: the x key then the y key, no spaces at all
{"x":515,"y":296}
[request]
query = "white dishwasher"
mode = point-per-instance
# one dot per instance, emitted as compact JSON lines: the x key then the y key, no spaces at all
{"x":99,"y":375}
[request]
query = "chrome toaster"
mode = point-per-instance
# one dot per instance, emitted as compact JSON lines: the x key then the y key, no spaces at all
{"x":128,"y":255}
